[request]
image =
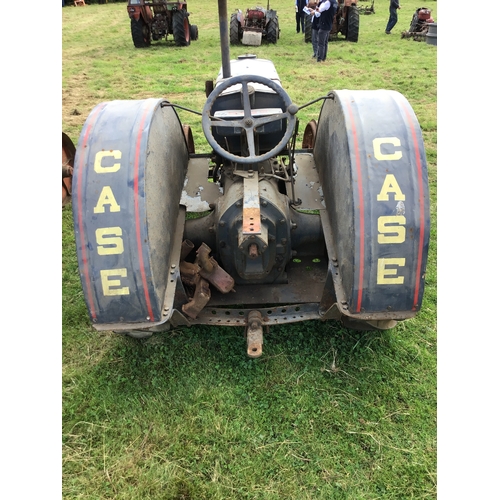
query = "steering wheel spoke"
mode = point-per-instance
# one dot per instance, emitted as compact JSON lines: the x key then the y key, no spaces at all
{"x":258,"y":122}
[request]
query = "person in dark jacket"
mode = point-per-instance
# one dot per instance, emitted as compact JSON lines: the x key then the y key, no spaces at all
{"x":311,"y":8}
{"x":393,"y":15}
{"x":300,"y":14}
{"x":326,"y":12}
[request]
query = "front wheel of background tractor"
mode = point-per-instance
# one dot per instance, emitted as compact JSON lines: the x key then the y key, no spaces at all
{"x":234,"y":30}
{"x":141,"y":34}
{"x":307,"y":29}
{"x":273,"y":31}
{"x":193,"y":32}
{"x":352,"y":24}
{"x":180,"y":27}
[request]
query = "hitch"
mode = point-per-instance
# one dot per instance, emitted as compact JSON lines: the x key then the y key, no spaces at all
{"x":254,"y":335}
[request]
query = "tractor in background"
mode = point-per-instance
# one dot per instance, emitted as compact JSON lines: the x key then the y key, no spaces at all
{"x":345,"y":22}
{"x":157,"y":19}
{"x":256,"y":25}
{"x":419,"y":25}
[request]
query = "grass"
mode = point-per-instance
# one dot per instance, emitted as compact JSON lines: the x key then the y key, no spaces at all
{"x":325,"y":413}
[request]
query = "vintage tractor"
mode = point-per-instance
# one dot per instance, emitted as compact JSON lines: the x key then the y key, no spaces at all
{"x":157,"y":19}
{"x":259,"y":231}
{"x":256,"y":25}
{"x":345,"y":22}
{"x":419,"y":25}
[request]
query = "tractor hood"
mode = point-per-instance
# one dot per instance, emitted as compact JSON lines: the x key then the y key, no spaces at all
{"x":249,"y":65}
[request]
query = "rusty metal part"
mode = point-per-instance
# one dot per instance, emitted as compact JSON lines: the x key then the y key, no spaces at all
{"x":68,"y":156}
{"x":309,"y":135}
{"x":188,"y":134}
{"x":186,"y":248}
{"x":189,"y":272}
{"x":211,"y":271}
{"x":251,"y":205}
{"x":199,"y":300}
{"x":253,"y":251}
{"x":254,"y":334}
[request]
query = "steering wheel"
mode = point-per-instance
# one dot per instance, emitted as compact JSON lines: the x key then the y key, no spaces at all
{"x":248,"y":123}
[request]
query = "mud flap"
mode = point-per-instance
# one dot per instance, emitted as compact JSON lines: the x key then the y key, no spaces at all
{"x":129,"y":171}
{"x":372,"y":166}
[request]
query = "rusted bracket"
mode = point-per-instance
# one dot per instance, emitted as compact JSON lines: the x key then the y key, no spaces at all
{"x":251,"y":204}
{"x":254,"y":334}
{"x":211,"y":271}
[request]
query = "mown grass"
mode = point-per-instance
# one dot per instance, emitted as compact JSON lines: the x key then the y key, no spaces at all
{"x":325,"y":413}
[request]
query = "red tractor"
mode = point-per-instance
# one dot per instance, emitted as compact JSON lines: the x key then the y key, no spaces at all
{"x":257,"y":24}
{"x":419,"y":25}
{"x":345,"y":22}
{"x":158,"y":19}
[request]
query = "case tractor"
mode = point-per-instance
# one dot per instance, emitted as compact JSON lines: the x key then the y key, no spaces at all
{"x":345,"y":21}
{"x":256,"y":25}
{"x":157,"y":19}
{"x":264,"y":230}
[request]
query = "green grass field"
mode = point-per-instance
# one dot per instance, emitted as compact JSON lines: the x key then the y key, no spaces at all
{"x":325,"y":413}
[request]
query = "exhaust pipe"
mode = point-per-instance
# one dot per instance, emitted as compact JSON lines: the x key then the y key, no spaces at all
{"x":224,"y":39}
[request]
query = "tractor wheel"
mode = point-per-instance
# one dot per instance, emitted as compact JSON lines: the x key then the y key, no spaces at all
{"x":180,"y":26}
{"x":352,"y":24}
{"x":307,"y":29}
{"x":68,"y":156}
{"x":309,"y":135}
{"x":414,"y":23}
{"x":141,"y":34}
{"x":234,"y":31}
{"x":193,"y":32}
{"x":273,"y":31}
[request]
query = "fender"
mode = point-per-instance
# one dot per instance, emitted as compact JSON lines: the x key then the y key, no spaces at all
{"x":130,"y":165}
{"x":371,"y":162}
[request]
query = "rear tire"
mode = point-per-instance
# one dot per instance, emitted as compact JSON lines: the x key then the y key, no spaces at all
{"x":141,"y":34}
{"x":180,"y":27}
{"x":308,"y":29}
{"x":234,"y":30}
{"x":273,"y":31}
{"x":414,"y":23}
{"x":352,"y":24}
{"x":193,"y":32}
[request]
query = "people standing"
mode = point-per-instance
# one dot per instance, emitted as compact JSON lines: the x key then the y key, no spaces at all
{"x":325,"y":12}
{"x":393,"y":15}
{"x":314,"y":28}
{"x":300,"y":14}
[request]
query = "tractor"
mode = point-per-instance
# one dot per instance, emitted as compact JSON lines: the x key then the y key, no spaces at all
{"x":345,"y":22}
{"x":263,"y":230}
{"x":157,"y":19}
{"x":419,"y":25}
{"x":256,"y":25}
